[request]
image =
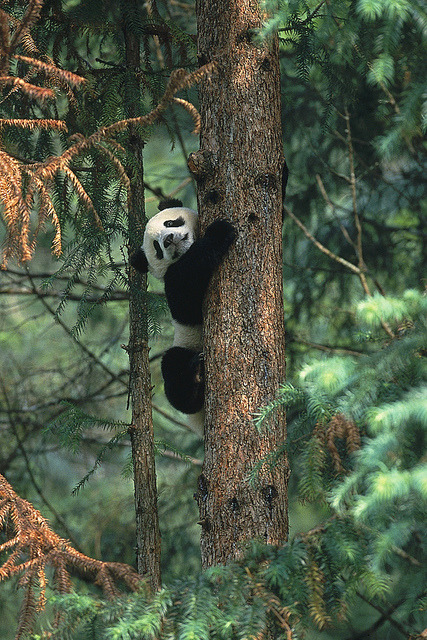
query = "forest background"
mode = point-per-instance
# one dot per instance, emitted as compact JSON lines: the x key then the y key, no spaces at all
{"x":353,"y":85}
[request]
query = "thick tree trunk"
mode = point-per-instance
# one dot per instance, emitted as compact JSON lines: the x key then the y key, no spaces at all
{"x":238,"y":169}
{"x":141,"y":431}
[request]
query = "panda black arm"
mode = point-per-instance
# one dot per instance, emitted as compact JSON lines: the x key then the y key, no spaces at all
{"x":218,"y":238}
{"x":187,"y":279}
{"x":139,"y":262}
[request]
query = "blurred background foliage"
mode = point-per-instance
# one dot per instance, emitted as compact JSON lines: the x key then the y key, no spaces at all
{"x":353,"y":77}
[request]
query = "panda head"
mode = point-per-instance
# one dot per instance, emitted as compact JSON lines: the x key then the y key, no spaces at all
{"x":168,"y":235}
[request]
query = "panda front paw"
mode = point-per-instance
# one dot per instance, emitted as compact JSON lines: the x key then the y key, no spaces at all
{"x":221,"y":232}
{"x":139,"y":261}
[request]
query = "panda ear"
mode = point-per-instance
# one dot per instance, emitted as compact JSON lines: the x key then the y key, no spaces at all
{"x":168,"y":204}
{"x":139,"y":262}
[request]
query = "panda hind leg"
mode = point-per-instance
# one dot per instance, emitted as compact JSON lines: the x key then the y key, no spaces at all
{"x":183,"y":375}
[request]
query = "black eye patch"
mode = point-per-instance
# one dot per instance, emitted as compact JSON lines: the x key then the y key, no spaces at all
{"x":159,"y":252}
{"x":178,"y":222}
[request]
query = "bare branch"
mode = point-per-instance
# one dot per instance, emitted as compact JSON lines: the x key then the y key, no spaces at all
{"x":87,"y":351}
{"x":171,"y":194}
{"x":333,"y":208}
{"x":328,"y":349}
{"x":40,"y":293}
{"x":358,"y":226}
{"x":179,"y":423}
{"x":319,"y":245}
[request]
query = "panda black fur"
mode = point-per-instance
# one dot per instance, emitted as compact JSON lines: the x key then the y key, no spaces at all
{"x":173,"y":252}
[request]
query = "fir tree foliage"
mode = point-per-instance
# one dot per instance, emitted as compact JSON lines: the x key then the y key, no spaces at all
{"x":272,"y":590}
{"x":74,"y":424}
{"x":89,"y":197}
{"x":382,"y":39}
{"x":357,"y":417}
{"x":357,"y":430}
{"x":382,"y":396}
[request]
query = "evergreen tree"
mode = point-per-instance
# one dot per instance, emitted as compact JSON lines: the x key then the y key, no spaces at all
{"x":239,"y":172}
{"x":354,"y":565}
{"x":93,"y":184}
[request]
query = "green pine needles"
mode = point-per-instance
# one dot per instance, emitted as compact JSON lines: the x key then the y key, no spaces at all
{"x":357,"y":428}
{"x":357,"y":441}
{"x":383,"y":40}
{"x":357,"y":413}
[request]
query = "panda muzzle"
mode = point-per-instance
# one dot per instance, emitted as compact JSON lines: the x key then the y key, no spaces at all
{"x":173,"y":238}
{"x":168,"y":240}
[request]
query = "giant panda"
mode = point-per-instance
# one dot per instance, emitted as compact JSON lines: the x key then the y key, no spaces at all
{"x":173,"y":252}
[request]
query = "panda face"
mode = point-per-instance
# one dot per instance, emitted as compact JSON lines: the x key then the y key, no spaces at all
{"x":168,"y":235}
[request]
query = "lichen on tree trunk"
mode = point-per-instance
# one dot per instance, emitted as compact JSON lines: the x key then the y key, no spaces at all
{"x":238,"y":170}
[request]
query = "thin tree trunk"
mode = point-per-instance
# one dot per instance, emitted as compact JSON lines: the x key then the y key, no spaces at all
{"x":141,"y":431}
{"x":238,"y":169}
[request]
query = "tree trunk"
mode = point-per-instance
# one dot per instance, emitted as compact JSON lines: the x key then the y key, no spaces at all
{"x":141,"y":431}
{"x":239,"y":169}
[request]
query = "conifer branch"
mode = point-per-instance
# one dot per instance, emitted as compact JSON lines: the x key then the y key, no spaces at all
{"x":28,"y":21}
{"x":333,"y":208}
{"x":78,"y":187}
{"x":4,"y":31}
{"x":58,"y":125}
{"x":14,"y":174}
{"x":41,"y":175}
{"x":36,"y":485}
{"x":51,"y":70}
{"x":340,"y":427}
{"x":192,"y":111}
{"x":179,"y":79}
{"x":358,"y":270}
{"x":46,"y":210}
{"x":32,"y":91}
{"x":272,"y":603}
{"x":87,"y":351}
{"x":32,"y":546}
{"x":319,"y":245}
{"x":315,"y":580}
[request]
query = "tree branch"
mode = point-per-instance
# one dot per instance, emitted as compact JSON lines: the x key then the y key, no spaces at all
{"x":349,"y":265}
{"x":333,"y":208}
{"x":179,"y":423}
{"x":17,"y":291}
{"x":33,"y":480}
{"x":87,"y":351}
{"x":327,"y":348}
{"x":385,"y":616}
{"x":319,"y":245}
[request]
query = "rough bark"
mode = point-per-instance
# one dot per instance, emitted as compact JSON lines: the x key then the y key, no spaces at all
{"x":141,"y":431}
{"x":239,"y":169}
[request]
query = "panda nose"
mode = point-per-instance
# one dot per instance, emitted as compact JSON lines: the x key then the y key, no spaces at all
{"x":168,"y":240}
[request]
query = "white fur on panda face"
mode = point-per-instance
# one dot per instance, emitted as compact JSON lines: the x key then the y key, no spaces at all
{"x":168,"y":235}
